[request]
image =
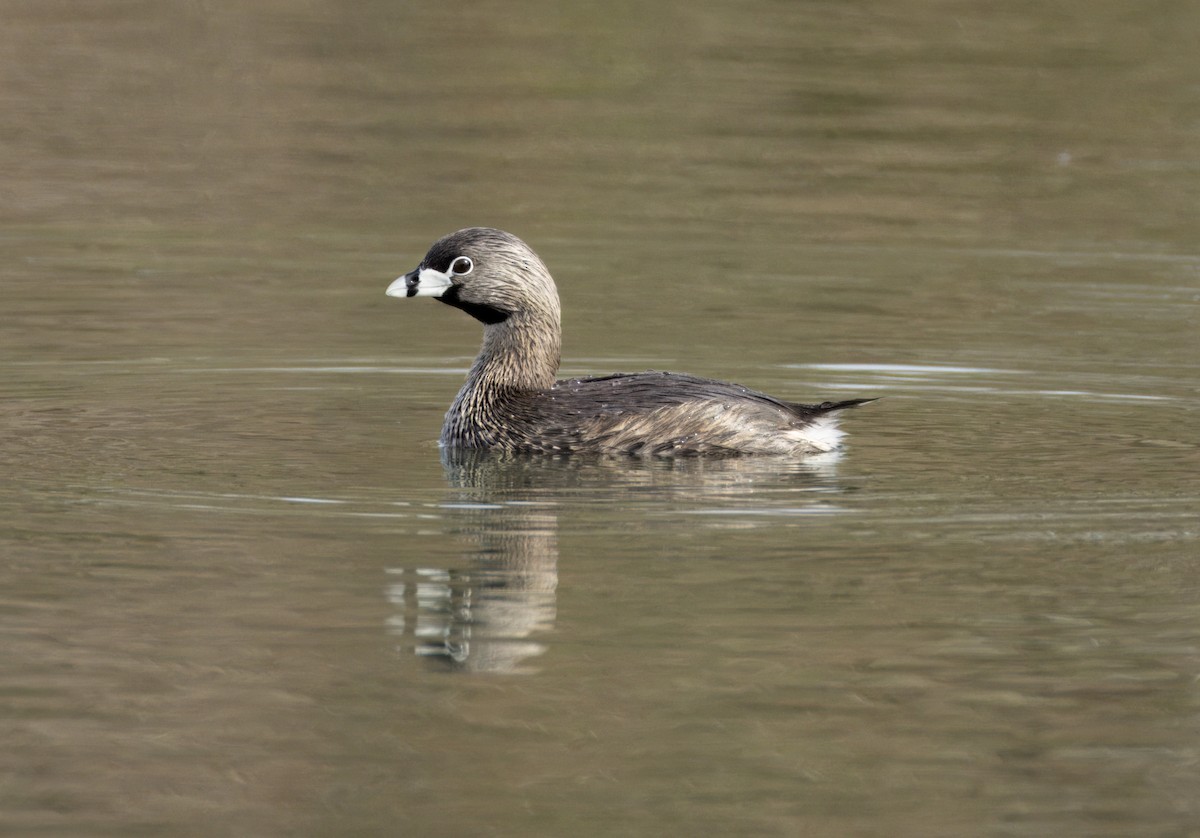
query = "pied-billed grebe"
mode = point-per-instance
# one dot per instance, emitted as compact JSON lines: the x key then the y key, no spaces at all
{"x":512,"y":402}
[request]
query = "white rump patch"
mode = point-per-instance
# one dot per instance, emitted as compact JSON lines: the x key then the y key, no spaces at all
{"x":822,"y":434}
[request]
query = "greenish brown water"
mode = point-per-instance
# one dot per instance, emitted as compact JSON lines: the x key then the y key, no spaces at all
{"x":242,"y":594}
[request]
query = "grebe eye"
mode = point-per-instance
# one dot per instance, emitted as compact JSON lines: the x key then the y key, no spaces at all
{"x":462,"y":265}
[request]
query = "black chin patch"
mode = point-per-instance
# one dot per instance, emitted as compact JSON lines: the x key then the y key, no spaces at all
{"x":484,"y":314}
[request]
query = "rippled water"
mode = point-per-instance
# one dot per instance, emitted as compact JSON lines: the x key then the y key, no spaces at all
{"x":244,"y":593}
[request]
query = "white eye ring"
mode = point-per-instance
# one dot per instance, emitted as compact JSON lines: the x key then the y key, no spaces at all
{"x":461,"y":266}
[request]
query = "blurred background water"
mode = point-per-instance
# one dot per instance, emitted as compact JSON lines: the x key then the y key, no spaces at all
{"x":243,"y":593}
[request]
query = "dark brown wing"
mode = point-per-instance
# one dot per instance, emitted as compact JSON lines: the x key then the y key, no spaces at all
{"x":647,"y":391}
{"x":653,"y":412}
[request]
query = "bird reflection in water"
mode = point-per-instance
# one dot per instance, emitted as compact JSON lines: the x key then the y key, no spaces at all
{"x":493,"y":614}
{"x":486,"y":617}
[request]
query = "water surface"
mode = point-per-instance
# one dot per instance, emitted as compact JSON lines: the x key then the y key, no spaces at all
{"x":244,"y":593}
